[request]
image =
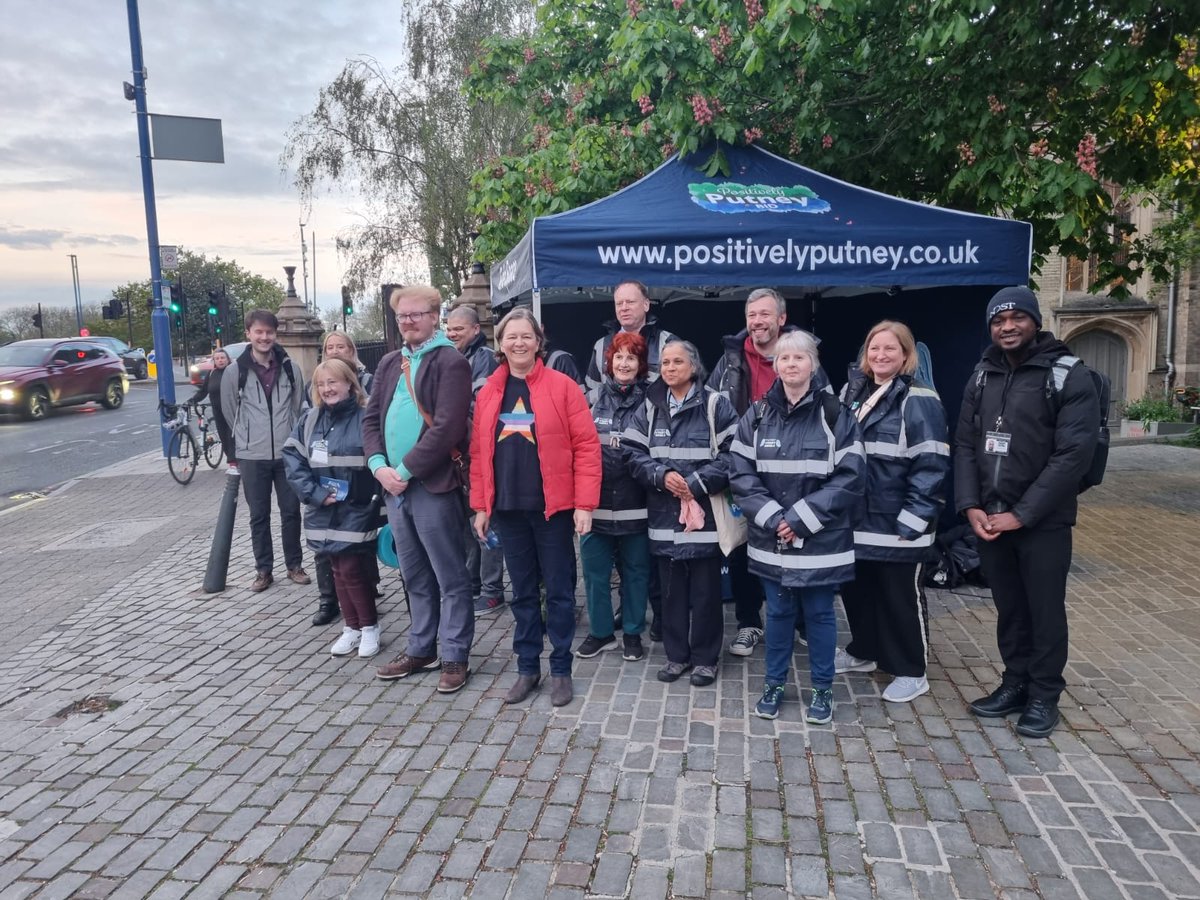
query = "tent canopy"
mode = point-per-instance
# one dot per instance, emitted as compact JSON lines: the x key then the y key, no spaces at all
{"x":771,"y":222}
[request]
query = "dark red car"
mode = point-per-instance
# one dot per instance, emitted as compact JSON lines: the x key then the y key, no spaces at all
{"x":37,"y":375}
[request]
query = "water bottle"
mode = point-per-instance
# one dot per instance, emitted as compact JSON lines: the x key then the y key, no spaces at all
{"x":492,"y":542}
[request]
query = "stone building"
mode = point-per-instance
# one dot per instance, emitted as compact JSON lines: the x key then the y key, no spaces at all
{"x":1149,"y":342}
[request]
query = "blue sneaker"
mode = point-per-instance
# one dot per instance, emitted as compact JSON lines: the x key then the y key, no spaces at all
{"x":820,"y":707}
{"x":768,"y":704}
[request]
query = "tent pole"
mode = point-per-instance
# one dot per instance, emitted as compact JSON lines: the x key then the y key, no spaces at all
{"x":537,"y":305}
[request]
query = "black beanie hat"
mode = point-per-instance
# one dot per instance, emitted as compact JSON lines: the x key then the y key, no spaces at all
{"x":1021,"y":298}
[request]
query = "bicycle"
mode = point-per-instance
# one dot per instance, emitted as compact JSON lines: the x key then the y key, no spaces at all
{"x":182,"y":452}
{"x":214,"y":452}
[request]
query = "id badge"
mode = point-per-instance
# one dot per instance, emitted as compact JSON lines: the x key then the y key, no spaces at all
{"x":996,"y":443}
{"x":319,"y":455}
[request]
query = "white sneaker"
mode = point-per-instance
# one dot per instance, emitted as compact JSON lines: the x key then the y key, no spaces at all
{"x":345,"y":644}
{"x":905,"y":688}
{"x":745,"y":642}
{"x":844,"y":662}
{"x":370,"y":642}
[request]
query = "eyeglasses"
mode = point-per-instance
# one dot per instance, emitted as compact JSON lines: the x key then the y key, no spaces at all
{"x":411,"y":317}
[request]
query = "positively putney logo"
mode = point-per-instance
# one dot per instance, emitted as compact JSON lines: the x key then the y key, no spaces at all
{"x":732,"y":197}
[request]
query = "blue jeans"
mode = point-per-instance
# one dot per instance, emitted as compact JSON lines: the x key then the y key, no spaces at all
{"x":632,"y":555}
{"x":783,"y":603}
{"x":537,"y":550}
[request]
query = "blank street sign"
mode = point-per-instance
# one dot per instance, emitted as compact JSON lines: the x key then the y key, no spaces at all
{"x":187,"y":138}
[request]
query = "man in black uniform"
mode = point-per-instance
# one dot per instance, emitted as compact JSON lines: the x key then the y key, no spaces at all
{"x":1026,"y":435}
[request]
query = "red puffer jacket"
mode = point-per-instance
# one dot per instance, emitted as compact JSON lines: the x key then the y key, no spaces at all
{"x":567,"y":444}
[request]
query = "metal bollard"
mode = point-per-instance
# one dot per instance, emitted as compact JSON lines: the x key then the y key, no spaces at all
{"x":218,"y":555}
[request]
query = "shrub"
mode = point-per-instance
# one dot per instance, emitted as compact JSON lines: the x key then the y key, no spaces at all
{"x":1151,"y":408}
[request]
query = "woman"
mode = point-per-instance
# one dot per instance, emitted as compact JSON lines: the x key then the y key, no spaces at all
{"x":337,"y":345}
{"x":326,"y":467}
{"x":535,"y":479}
{"x":619,"y":522}
{"x":210,"y":389}
{"x":798,"y":474}
{"x":679,"y":449}
{"x":908,"y":457}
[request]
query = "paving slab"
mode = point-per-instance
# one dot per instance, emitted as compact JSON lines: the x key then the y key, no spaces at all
{"x":229,"y":755}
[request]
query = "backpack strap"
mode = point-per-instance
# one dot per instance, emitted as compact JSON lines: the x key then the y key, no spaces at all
{"x":712,"y":422}
{"x":832,"y":406}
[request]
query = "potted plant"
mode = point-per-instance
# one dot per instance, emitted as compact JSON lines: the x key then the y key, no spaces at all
{"x":1189,"y":398}
{"x":1151,"y":416}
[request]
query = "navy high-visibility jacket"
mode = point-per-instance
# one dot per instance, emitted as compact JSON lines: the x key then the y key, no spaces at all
{"x":659,"y":443}
{"x":790,"y":465}
{"x":348,"y":525}
{"x":622,"y":508}
{"x":908,"y":460}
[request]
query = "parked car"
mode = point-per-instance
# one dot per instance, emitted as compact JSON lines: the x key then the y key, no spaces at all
{"x":134,"y":357}
{"x":204,"y":363}
{"x":37,"y":375}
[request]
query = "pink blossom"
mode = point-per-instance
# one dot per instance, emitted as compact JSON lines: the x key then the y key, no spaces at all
{"x":1085,"y":154}
{"x":646,"y":104}
{"x":530,"y":56}
{"x":826,"y":141}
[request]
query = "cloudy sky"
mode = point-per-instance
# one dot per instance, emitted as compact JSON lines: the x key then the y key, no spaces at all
{"x":70,"y":180}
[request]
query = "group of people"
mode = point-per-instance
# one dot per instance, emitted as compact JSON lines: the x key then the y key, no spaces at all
{"x":482,"y":459}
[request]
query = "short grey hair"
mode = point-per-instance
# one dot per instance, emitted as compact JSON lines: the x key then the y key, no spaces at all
{"x":699,"y":373}
{"x":759,"y":293}
{"x":465,"y":311}
{"x":797,"y":341}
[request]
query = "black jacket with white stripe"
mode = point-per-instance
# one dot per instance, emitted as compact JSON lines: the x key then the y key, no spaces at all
{"x":659,"y":443}
{"x":622,"y":508}
{"x":908,"y":460}
{"x":790,"y":465}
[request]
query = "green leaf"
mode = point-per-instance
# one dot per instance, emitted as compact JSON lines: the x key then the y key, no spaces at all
{"x":1067,"y":225}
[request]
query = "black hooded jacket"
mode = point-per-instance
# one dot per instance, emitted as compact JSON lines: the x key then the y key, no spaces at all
{"x":1051,"y":436}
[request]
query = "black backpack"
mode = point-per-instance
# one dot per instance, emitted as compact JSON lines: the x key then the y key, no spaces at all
{"x":1056,"y":377}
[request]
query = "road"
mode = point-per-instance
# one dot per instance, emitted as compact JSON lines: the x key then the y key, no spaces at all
{"x":76,"y":440}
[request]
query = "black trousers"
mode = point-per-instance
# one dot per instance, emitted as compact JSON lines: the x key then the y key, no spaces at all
{"x":259,"y":476}
{"x":888,"y":616}
{"x":1027,"y":570}
{"x":691,"y":609}
{"x":747,"y":590}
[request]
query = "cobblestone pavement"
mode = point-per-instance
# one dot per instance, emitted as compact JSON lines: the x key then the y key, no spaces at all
{"x":234,"y":758}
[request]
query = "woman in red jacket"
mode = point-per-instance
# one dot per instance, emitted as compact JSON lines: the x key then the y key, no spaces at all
{"x":535,"y":479}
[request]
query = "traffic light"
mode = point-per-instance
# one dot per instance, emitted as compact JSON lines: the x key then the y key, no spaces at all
{"x":212,"y":303}
{"x":106,"y":311}
{"x":177,"y":317}
{"x":347,"y":303}
{"x":37,"y":319}
{"x":176,"y":298}
{"x":115,"y":308}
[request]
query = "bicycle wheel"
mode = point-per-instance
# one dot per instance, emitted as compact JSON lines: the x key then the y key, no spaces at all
{"x":213,"y":451}
{"x":182,"y":456}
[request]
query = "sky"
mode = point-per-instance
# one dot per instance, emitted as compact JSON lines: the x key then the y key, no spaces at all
{"x":70,"y":177}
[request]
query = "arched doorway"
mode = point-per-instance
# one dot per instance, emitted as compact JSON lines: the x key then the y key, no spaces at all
{"x":1108,"y":353}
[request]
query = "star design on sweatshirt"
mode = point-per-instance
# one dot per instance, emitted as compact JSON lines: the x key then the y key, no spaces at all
{"x":519,"y":421}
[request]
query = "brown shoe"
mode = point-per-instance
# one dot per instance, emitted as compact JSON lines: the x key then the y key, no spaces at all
{"x":404,"y":665}
{"x":454,"y":676}
{"x":262,"y":581}
{"x":298,"y":576}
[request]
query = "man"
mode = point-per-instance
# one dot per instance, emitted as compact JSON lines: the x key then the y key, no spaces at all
{"x":415,"y":436}
{"x":261,"y":396}
{"x":632,"y":302}
{"x":485,"y":565}
{"x":1025,"y":437}
{"x":743,"y":374}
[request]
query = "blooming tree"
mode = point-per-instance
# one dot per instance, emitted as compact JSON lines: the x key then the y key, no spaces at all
{"x":1021,"y":109}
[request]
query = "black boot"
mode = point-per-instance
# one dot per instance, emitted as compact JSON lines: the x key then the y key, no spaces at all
{"x":1005,"y":700}
{"x":1038,"y":719}
{"x":327,"y":611}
